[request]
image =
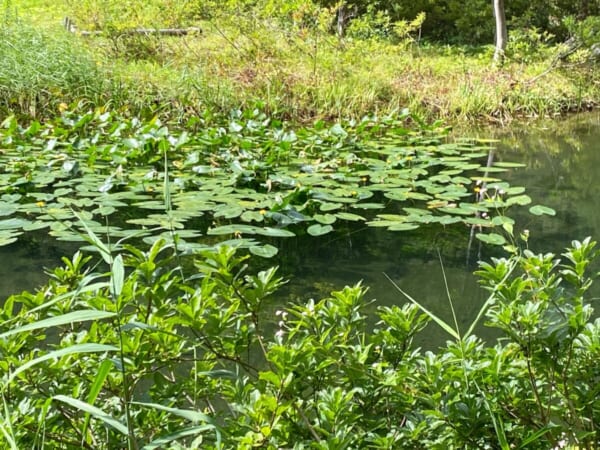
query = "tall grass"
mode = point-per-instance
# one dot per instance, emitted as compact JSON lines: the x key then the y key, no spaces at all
{"x":296,"y":73}
{"x":39,"y":71}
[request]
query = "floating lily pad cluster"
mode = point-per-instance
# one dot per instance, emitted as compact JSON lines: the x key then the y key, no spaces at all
{"x":249,"y":178}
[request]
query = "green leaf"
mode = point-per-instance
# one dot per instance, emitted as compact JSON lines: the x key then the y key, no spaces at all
{"x":509,"y":164}
{"x":451,"y":331}
{"x":318,"y":230}
{"x":72,"y":350}
{"x":72,"y":317}
{"x":368,"y":205}
{"x":403,"y":226}
{"x":521,"y":200}
{"x":117,"y":276}
{"x":160,"y":442}
{"x":95,"y":389}
{"x":265,"y":251}
{"x":539,"y":210}
{"x":188,"y":414}
{"x":325,"y":219}
{"x":349,"y":216}
{"x":274,"y":232}
{"x":95,"y":241}
{"x":93,"y":411}
{"x":491,"y":238}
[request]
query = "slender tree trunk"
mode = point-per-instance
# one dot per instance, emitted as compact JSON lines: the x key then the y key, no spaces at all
{"x":501,"y":31}
{"x":341,"y":20}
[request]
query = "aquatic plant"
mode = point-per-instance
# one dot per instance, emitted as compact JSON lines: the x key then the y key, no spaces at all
{"x":245,"y":177}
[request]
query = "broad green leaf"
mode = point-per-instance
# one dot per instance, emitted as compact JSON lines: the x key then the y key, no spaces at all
{"x":368,"y":205}
{"x":7,"y":209}
{"x":521,"y":200}
{"x":265,"y":251}
{"x":509,"y":164}
{"x":491,"y":238}
{"x":349,"y":216}
{"x":540,"y":210}
{"x":325,"y":219}
{"x":274,"y":232}
{"x":403,"y":227}
{"x":318,"y":230}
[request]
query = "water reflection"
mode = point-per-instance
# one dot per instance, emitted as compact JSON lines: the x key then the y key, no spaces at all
{"x":24,"y":262}
{"x":562,"y":171}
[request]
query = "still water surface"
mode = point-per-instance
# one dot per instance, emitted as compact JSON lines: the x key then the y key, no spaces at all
{"x":562,"y":171}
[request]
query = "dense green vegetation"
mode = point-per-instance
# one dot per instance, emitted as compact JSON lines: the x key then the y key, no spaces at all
{"x":287,"y":58}
{"x":154,"y":353}
{"x":256,"y":177}
{"x":180,"y":162}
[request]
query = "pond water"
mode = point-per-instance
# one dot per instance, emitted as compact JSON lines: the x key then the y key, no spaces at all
{"x":562,"y":171}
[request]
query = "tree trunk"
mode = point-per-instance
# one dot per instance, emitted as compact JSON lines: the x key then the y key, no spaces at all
{"x":341,"y":20}
{"x":501,"y":31}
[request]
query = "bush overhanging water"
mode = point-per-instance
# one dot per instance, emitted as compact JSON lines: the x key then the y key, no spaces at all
{"x":153,"y":355}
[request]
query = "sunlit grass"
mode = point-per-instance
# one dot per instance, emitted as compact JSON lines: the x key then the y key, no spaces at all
{"x":310,"y":75}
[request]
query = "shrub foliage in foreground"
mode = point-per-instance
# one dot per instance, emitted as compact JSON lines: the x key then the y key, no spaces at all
{"x":152,"y":354}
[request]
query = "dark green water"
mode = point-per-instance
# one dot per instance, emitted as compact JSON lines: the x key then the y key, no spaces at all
{"x":562,"y":171}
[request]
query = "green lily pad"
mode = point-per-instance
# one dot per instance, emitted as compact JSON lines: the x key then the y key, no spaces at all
{"x":521,"y":200}
{"x":403,"y":227}
{"x":318,"y":230}
{"x":491,"y":238}
{"x":539,"y":210}
{"x":325,"y":219}
{"x":349,"y":216}
{"x":265,"y":251}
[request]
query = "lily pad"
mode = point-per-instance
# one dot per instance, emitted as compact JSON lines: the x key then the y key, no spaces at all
{"x":319,"y":230}
{"x":540,"y":210}
{"x":491,"y":238}
{"x":265,"y":251}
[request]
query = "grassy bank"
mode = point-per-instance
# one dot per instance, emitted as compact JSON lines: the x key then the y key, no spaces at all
{"x":294,"y":73}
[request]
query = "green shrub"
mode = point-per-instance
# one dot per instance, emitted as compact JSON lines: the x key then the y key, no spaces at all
{"x":151,"y":353}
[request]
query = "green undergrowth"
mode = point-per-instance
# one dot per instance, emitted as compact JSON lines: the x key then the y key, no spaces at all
{"x":296,"y":71}
{"x":154,"y":349}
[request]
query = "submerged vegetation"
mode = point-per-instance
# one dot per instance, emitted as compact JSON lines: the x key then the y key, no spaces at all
{"x":175,"y":161}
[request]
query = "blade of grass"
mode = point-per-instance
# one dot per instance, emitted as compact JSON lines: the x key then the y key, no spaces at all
{"x":7,"y":430}
{"x":161,"y":441}
{"x":192,"y":416}
{"x":433,"y":317}
{"x":456,"y":327}
{"x":95,"y":389}
{"x":72,"y":350}
{"x":94,"y":411}
{"x":491,"y":297}
{"x":93,"y":239}
{"x":72,"y":317}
